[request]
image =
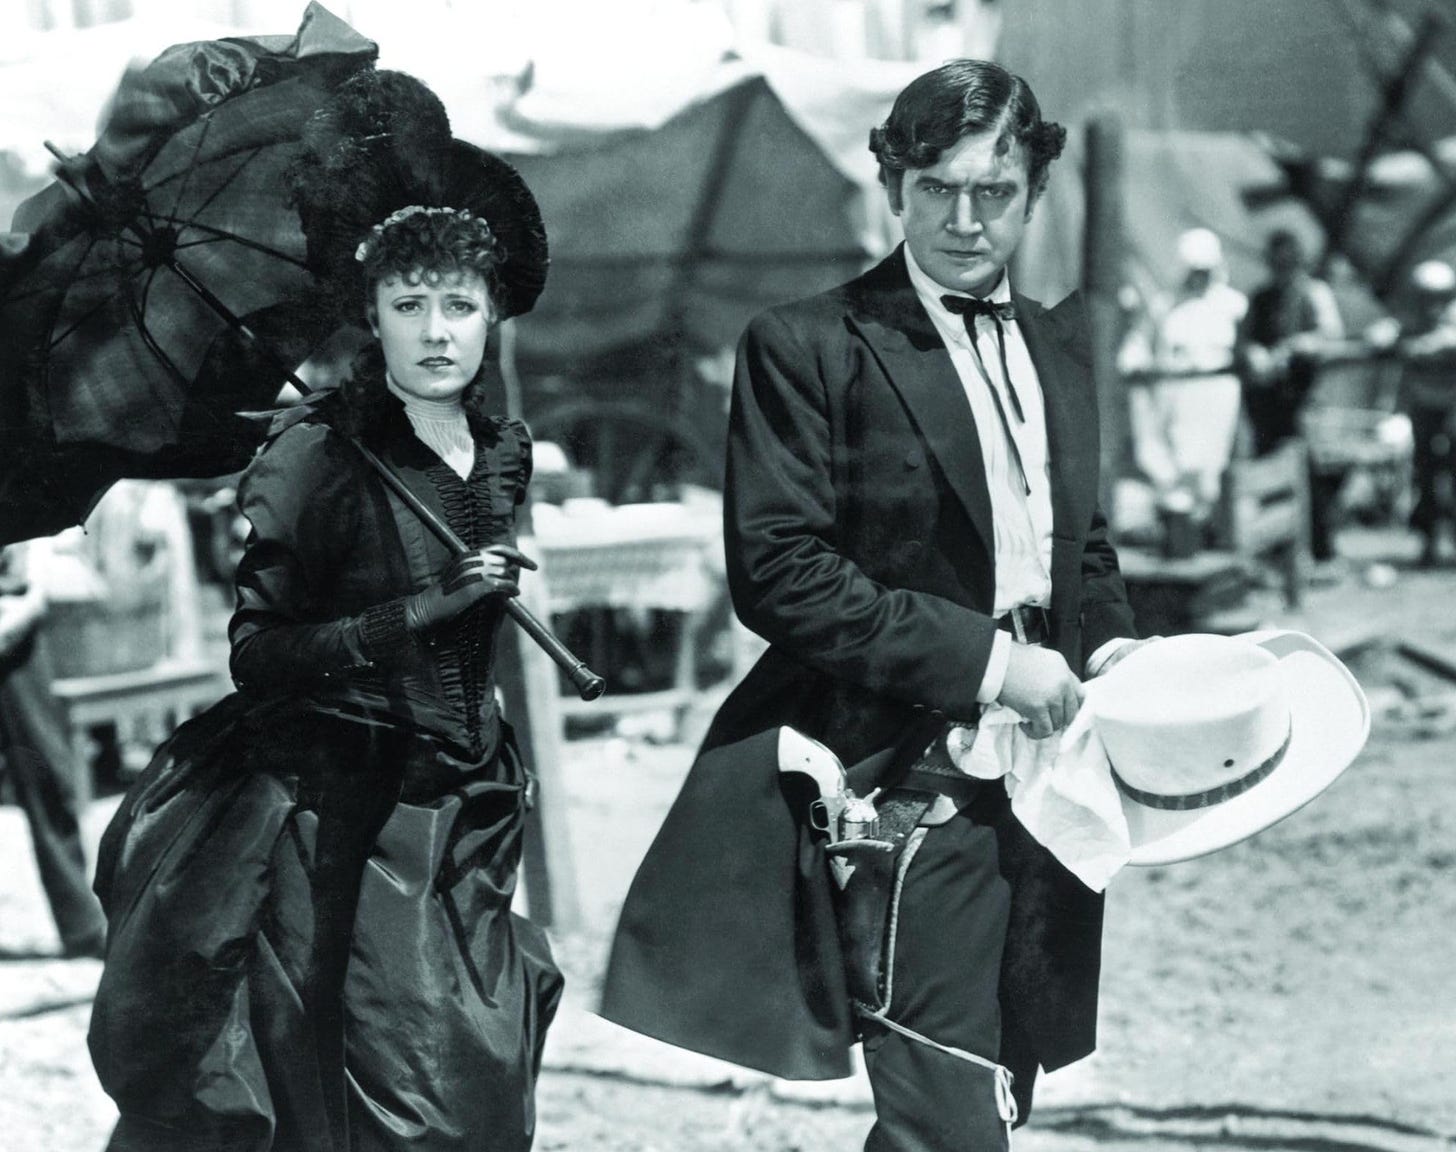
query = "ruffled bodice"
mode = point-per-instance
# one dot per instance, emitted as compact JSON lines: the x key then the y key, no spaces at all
{"x":333,"y":553}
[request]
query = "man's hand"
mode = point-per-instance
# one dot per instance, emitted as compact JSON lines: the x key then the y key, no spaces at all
{"x":1121,"y":653}
{"x":1041,"y":689}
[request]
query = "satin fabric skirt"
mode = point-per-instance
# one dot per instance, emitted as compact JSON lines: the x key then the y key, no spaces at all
{"x":311,"y":945}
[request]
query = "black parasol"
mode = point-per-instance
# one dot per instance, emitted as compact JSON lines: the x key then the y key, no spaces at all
{"x":111,"y":364}
{"x":164,"y":284}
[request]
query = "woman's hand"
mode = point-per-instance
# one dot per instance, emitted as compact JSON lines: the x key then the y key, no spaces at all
{"x":502,"y":562}
{"x":469,"y":579}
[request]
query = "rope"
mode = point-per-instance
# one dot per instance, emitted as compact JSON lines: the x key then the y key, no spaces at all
{"x":1005,"y":1101}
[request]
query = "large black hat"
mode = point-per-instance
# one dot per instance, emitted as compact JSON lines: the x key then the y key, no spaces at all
{"x":383,"y":143}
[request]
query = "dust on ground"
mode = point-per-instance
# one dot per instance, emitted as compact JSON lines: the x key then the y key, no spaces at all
{"x":1294,"y":991}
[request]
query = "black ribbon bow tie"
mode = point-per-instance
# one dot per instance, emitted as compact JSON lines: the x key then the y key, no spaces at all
{"x":968,"y":308}
{"x":1003,"y":311}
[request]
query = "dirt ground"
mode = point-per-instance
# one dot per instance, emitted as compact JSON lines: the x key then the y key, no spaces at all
{"x":1293,"y":991}
{"x":1296,"y":991}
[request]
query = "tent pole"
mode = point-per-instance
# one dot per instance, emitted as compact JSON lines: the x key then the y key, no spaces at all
{"x":1103,"y":245}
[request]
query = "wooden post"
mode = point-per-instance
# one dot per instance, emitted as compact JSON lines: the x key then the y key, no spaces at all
{"x":1103,"y":244}
{"x":532,"y":692}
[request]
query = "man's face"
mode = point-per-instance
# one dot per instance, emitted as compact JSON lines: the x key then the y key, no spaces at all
{"x":1285,"y":262}
{"x":965,"y":214}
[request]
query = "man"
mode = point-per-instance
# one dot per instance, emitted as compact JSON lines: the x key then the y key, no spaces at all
{"x":1184,"y":425}
{"x":36,"y":755}
{"x":1291,"y":321}
{"x":911,"y":522}
{"x":1428,"y":392}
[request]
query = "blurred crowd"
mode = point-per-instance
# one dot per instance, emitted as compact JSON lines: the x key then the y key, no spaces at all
{"x":1216,"y":375}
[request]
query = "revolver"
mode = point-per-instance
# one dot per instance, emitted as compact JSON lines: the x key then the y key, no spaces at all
{"x":850,"y":822}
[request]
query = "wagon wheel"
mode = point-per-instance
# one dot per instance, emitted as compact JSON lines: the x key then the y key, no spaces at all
{"x":635,"y":453}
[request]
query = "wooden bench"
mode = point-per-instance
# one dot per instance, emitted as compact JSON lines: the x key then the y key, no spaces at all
{"x":1169,"y":596}
{"x":638,"y":559}
{"x":144,"y":705}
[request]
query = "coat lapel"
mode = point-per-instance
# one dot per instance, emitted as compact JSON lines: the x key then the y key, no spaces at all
{"x":889,"y":316}
{"x":1055,"y":339}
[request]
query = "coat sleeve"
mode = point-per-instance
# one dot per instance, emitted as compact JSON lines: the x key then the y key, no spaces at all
{"x":1106,"y":614}
{"x":301,"y":496}
{"x":789,"y":579}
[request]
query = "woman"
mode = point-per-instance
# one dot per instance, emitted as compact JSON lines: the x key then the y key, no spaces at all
{"x":311,"y":943}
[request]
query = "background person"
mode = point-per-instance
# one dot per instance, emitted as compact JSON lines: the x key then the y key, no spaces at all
{"x":1292,"y":320}
{"x":1427,"y":349}
{"x":36,"y":756}
{"x":1184,"y":425}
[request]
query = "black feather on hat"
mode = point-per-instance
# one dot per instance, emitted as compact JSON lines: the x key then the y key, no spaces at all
{"x":382,"y":143}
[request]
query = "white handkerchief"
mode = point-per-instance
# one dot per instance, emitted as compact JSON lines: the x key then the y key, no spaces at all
{"x":1061,"y":788}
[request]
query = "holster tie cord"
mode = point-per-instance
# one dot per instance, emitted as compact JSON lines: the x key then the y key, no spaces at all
{"x":1003,"y":1077}
{"x":1005,"y":1101}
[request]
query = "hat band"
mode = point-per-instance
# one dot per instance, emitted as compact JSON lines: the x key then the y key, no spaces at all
{"x":1188,"y":801}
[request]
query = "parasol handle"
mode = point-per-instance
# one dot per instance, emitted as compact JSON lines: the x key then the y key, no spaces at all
{"x":587,"y":683}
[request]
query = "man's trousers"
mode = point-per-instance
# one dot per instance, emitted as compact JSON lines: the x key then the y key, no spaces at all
{"x":36,"y":757}
{"x":948,"y":935}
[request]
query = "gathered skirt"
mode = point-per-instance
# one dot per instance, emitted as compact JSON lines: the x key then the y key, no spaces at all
{"x":311,"y":945}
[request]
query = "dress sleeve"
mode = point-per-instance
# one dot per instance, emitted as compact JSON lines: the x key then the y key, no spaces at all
{"x":518,"y":431}
{"x":301,"y":497}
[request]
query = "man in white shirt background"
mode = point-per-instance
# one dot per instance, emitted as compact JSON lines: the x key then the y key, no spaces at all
{"x":1184,"y":423}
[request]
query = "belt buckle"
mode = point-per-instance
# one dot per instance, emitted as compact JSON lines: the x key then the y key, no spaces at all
{"x":1018,"y":625}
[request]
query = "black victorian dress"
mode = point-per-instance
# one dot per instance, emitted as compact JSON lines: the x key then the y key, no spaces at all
{"x":308,"y":891}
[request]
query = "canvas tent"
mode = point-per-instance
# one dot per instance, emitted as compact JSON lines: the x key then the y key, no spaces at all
{"x":669,"y":233}
{"x":682,"y":233}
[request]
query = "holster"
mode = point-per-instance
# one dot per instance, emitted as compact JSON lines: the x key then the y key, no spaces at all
{"x":867,"y":878}
{"x":868,"y":874}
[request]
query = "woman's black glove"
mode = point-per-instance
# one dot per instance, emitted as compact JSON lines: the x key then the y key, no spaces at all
{"x":469,"y":579}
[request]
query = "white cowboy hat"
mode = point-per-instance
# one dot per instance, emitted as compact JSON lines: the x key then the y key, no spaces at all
{"x":1214,"y":738}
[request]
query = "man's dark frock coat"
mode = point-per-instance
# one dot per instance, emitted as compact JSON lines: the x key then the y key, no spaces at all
{"x":859,"y":543}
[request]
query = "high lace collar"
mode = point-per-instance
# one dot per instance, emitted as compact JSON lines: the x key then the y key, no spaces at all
{"x":423,"y":407}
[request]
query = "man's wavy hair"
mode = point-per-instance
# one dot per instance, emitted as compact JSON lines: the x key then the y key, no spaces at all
{"x":964,"y":98}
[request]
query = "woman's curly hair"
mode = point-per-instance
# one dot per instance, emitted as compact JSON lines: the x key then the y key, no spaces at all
{"x":959,"y":99}
{"x":427,"y":244}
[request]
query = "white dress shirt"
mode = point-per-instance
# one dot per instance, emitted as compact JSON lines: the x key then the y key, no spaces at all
{"x":1022,"y":521}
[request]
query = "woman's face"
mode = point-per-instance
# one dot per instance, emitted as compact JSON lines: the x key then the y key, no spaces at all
{"x":433,"y":336}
